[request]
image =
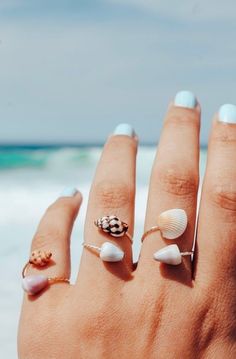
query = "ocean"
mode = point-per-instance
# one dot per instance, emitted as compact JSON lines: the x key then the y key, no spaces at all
{"x":30,"y":179}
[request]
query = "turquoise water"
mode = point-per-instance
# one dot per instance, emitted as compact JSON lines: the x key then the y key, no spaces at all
{"x":38,"y":157}
{"x":30,"y":179}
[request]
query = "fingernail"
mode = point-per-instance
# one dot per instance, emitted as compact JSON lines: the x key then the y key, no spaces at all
{"x":124,"y":129}
{"x":185,"y":99}
{"x":69,"y":192}
{"x":227,"y":113}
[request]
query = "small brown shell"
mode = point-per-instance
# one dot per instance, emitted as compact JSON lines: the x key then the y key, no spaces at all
{"x":40,"y":258}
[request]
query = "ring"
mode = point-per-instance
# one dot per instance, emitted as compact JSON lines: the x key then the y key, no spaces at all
{"x":108,"y":252}
{"x":171,"y":255}
{"x":33,"y":284}
{"x":113,"y":226}
{"x":171,"y":223}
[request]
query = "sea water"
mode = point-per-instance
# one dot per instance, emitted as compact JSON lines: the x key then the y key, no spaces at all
{"x":31,"y":179}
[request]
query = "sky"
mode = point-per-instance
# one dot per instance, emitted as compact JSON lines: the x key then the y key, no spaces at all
{"x":70,"y":71}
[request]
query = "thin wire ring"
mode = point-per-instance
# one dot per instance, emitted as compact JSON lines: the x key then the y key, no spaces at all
{"x":150,"y":231}
{"x":51,"y":280}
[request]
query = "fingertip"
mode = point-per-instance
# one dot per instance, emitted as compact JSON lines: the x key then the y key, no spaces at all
{"x":69,"y":196}
{"x":172,"y":107}
{"x":79,"y":196}
{"x":227,"y":113}
{"x":69,"y":192}
{"x":185,"y":99}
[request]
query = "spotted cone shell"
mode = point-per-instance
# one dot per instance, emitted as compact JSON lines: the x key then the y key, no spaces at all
{"x":172,"y":223}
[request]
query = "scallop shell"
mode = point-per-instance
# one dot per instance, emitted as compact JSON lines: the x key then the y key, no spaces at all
{"x":172,"y":223}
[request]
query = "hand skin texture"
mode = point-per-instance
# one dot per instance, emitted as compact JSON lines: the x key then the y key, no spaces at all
{"x":149,"y":309}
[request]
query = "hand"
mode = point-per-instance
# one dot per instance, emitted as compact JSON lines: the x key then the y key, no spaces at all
{"x":148,"y":310}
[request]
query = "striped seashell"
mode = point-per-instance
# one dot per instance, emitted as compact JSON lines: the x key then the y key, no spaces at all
{"x":112,"y":225}
{"x":172,"y":223}
{"x":40,"y":258}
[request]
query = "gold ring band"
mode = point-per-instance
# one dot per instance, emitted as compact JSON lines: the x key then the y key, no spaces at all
{"x":33,"y":284}
{"x":150,"y":231}
{"x":50,"y":279}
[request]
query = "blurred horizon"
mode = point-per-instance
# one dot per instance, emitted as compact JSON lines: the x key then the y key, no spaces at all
{"x":48,"y":145}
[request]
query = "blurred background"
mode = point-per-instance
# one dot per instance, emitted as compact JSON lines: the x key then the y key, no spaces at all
{"x":70,"y":71}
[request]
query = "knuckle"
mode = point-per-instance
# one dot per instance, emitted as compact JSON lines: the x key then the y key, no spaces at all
{"x":113,"y":194}
{"x":44,"y":240}
{"x":178,"y":182}
{"x":223,"y":135}
{"x":182,"y":119}
{"x":223,"y":196}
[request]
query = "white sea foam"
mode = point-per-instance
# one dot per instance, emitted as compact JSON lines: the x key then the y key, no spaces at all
{"x":24,"y":195}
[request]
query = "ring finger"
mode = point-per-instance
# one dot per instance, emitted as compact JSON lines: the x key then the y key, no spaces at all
{"x":174,"y":184}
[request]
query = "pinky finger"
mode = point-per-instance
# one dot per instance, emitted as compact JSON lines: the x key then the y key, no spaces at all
{"x":53,"y":235}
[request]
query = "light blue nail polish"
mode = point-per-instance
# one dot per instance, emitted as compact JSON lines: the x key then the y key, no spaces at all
{"x":227,"y":113}
{"x":69,"y":192}
{"x":185,"y":99}
{"x":124,"y":129}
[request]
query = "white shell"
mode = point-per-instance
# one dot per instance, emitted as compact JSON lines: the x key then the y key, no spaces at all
{"x":111,"y":253}
{"x":172,"y":223}
{"x":33,"y":284}
{"x":169,"y":255}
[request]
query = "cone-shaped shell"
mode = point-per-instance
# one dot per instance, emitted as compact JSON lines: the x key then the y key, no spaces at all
{"x":111,"y":253}
{"x":169,"y":255}
{"x":33,"y":284}
{"x":172,"y":223}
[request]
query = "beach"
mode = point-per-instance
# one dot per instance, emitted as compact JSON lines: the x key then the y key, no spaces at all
{"x":30,"y":180}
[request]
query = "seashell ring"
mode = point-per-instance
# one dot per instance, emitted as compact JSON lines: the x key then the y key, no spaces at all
{"x":108,"y":252}
{"x":113,"y":226}
{"x":171,"y":255}
{"x":33,"y":284}
{"x":171,"y":223}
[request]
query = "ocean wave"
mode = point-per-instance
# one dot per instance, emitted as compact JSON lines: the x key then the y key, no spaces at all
{"x":40,"y":158}
{"x":13,"y":158}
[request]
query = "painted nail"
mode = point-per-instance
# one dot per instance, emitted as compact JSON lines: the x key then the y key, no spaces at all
{"x":69,"y":192}
{"x":227,"y":113}
{"x":185,"y":99}
{"x":124,"y":129}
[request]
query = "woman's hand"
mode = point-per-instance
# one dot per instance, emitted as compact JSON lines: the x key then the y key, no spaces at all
{"x":152,"y":310}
